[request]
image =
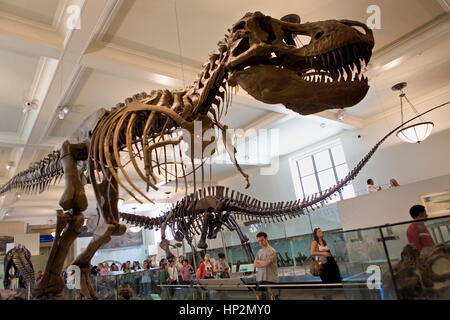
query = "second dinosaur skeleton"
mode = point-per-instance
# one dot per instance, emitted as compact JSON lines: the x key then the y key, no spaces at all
{"x":205,"y":211}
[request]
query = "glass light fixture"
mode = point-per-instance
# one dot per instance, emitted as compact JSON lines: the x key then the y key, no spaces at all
{"x":415,"y":133}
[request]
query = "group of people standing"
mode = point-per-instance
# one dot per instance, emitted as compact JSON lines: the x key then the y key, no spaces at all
{"x":175,"y":271}
{"x":103,"y":269}
{"x":371,"y":185}
{"x":180,"y":271}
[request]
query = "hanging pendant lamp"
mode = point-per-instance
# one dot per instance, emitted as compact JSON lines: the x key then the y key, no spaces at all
{"x":415,"y":133}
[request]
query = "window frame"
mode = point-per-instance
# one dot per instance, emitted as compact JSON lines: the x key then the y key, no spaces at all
{"x":296,"y":171}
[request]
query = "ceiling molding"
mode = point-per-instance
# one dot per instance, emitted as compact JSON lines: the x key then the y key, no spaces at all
{"x":42,"y":80}
{"x":25,"y":145}
{"x":59,"y":14}
{"x":30,"y":31}
{"x":140,"y":61}
{"x":445,"y":4}
{"x":113,"y":8}
{"x":410,"y":44}
{"x":417,"y":103}
{"x":22,"y":20}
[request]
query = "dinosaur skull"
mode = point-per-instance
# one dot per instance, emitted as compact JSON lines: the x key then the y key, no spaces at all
{"x":274,"y":67}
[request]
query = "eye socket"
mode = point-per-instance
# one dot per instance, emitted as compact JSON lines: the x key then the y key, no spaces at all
{"x":243,"y":46}
{"x":318,"y":35}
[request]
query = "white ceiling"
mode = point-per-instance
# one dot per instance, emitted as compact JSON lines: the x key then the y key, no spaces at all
{"x":136,"y":22}
{"x":42,"y":11}
{"x":17,"y":72}
{"x":129,"y":46}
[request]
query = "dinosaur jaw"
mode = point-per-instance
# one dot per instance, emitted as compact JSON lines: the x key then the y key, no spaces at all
{"x":308,"y":84}
{"x":304,"y":93}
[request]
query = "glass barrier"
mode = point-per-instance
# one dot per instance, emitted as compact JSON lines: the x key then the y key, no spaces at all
{"x":420,"y":256}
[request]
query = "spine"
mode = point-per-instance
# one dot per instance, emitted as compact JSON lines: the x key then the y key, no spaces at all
{"x":38,"y":177}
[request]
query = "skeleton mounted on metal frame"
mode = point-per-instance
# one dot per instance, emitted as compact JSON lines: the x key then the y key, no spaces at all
{"x":259,"y":53}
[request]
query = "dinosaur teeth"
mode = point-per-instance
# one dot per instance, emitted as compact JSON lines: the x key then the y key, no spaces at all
{"x":358,"y":65}
{"x":341,"y":55}
{"x":335,"y":57}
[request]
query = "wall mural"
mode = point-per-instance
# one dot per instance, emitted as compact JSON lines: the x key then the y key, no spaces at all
{"x":128,"y":239}
{"x":437,"y":203}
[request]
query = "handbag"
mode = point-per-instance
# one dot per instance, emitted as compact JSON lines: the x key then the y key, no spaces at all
{"x":315,"y":267}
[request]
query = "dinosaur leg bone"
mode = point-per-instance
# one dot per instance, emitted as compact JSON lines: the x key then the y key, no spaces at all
{"x":244,"y":240}
{"x":83,"y":260}
{"x":74,"y":196}
{"x":207,"y":219}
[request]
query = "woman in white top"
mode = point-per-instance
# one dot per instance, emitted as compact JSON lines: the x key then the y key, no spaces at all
{"x":322,"y":252}
{"x":173,"y":272}
{"x":371,"y":187}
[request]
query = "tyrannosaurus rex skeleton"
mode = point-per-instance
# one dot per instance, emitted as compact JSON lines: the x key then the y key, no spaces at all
{"x":259,"y":53}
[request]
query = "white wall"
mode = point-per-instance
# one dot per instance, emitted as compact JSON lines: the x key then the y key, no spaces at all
{"x":29,"y":241}
{"x":278,"y":187}
{"x":405,"y":162}
{"x":387,"y":206}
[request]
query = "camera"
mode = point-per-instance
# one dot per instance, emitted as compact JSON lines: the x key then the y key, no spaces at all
{"x":30,"y":104}
{"x":359,"y":136}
